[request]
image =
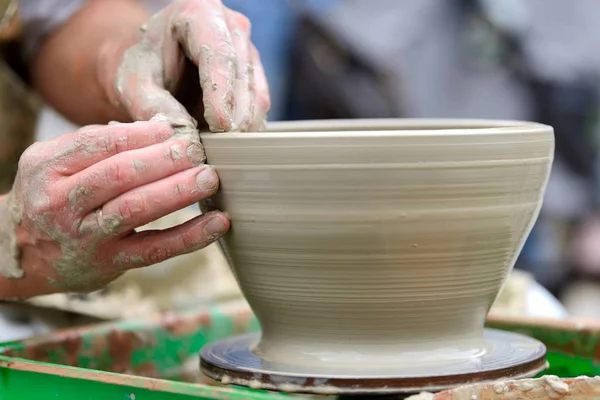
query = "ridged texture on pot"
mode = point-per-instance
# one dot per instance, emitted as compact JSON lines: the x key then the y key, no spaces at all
{"x":377,"y":236}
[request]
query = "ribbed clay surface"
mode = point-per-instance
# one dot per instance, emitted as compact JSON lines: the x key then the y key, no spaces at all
{"x":372,"y":238}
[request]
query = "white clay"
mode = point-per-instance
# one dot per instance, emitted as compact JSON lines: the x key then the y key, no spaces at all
{"x":377,"y":245}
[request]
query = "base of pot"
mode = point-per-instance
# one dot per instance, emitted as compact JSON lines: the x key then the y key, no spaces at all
{"x":510,"y":355}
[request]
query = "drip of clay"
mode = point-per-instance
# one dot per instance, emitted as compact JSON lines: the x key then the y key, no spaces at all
{"x":376,"y":247}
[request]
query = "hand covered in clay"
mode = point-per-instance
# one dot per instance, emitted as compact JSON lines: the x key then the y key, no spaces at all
{"x":77,"y":200}
{"x":190,"y":48}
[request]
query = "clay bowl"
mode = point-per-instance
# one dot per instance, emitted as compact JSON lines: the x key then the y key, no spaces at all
{"x":380,"y":242}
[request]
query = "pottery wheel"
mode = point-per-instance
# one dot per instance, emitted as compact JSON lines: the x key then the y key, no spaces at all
{"x":508,"y":355}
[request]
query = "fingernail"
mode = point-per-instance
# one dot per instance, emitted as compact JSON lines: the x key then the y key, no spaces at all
{"x":207,"y":180}
{"x":215,"y":228}
{"x":195,"y":153}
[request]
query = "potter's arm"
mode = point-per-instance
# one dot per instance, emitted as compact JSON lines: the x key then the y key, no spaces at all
{"x":76,"y":201}
{"x":63,"y":41}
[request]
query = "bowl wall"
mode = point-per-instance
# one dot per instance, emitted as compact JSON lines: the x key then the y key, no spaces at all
{"x":394,"y":232}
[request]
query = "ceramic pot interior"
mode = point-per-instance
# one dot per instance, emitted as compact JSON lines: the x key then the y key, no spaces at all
{"x":357,"y":240}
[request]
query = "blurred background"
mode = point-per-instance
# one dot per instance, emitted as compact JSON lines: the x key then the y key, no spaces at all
{"x":511,"y":59}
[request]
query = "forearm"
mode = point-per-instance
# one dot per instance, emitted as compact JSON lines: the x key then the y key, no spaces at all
{"x":66,"y":68}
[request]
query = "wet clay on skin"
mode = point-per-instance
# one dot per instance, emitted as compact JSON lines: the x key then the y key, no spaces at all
{"x":367,"y":245}
{"x":57,"y":205}
{"x":31,"y":182}
{"x":138,"y":76}
{"x":76,"y":272}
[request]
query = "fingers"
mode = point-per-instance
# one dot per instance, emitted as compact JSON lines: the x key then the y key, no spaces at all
{"x":149,"y":202}
{"x":151,"y":247}
{"x":239,"y":26}
{"x":201,"y":29}
{"x":76,"y":151}
{"x":109,"y":178}
{"x":262,"y":97}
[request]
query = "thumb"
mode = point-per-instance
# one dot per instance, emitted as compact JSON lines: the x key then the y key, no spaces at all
{"x":140,"y":86}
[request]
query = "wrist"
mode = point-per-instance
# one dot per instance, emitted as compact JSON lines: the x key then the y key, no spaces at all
{"x":109,"y":57}
{"x":14,"y":282}
{"x":10,"y":263}
{"x":7,"y":215}
{"x":125,"y":33}
{"x":24,"y":271}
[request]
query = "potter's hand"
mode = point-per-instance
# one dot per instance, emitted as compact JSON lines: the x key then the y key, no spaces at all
{"x":77,"y":200}
{"x":216,"y":41}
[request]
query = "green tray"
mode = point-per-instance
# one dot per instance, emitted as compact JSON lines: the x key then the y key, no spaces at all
{"x":143,"y":359}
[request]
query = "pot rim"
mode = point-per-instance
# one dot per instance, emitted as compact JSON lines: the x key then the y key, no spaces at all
{"x":386,"y":127}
